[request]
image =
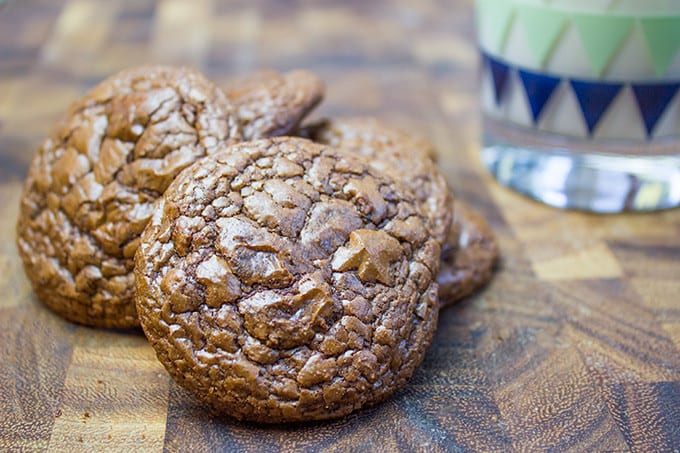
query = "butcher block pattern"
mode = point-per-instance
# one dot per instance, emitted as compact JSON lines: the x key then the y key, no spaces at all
{"x":574,"y":346}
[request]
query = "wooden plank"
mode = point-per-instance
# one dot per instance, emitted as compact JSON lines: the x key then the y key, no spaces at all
{"x":34,"y":358}
{"x":181,"y":31}
{"x":114,"y":397}
{"x":14,"y":286}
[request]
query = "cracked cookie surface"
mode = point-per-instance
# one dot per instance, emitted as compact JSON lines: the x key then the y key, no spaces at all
{"x":388,"y":149}
{"x":469,"y":248}
{"x":468,"y":256}
{"x":283,"y":280}
{"x":271,"y":104}
{"x":92,"y":185}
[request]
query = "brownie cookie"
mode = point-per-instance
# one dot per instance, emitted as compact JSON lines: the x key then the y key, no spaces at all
{"x":469,"y":250}
{"x":270,"y":104}
{"x":468,"y":256}
{"x":91,"y":187}
{"x":283,"y":280}
{"x":390,"y":150}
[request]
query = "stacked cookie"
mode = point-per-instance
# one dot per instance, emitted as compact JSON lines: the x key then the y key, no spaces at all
{"x":282,"y":273}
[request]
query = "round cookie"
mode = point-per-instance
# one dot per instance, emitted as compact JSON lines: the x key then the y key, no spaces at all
{"x":389,"y":149}
{"x":469,"y":250}
{"x":468,"y":256}
{"x":283,"y":280}
{"x":271,"y":104}
{"x":92,"y":186}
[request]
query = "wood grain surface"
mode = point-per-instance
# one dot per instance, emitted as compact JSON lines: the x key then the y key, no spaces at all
{"x":573,"y":347}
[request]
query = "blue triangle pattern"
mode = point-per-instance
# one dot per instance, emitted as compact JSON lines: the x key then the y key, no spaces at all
{"x":652,"y":100}
{"x":539,"y":88}
{"x":594,"y":99}
{"x":499,"y":73}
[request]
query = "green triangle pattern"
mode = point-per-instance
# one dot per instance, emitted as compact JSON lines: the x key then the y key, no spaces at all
{"x":602,"y":36}
{"x":495,"y":17}
{"x":543,"y":27}
{"x":663,"y":40}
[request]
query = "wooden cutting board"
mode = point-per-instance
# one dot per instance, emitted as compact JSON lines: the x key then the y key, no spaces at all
{"x":573,"y":346}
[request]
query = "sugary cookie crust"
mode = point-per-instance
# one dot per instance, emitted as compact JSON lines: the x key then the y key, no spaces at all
{"x":388,"y":149}
{"x":468,"y":256}
{"x":91,"y":187}
{"x":283,"y":280}
{"x":271,"y":104}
